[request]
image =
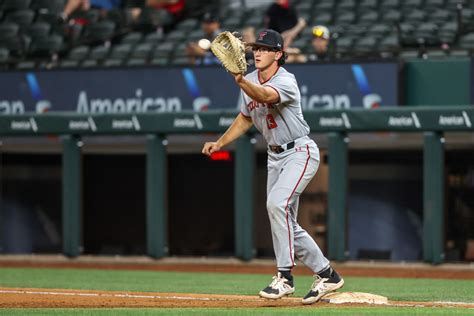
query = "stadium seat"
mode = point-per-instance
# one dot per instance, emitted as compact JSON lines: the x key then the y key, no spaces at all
{"x":132,"y":38}
{"x":467,"y":41}
{"x":369,"y":17}
{"x":79,"y":53}
{"x":346,"y":5}
{"x":99,"y":32}
{"x":440,"y":15}
{"x":135,"y":62}
{"x":188,"y":25}
{"x":163,"y":49}
{"x":112,"y":62}
{"x":160,"y":61}
{"x":436,"y":54}
{"x":21,"y":17}
{"x":38,"y":29}
{"x":46,"y":46}
{"x":366,"y":44}
{"x":433,"y":3}
{"x":411,"y":4}
{"x":4,"y":55}
{"x":459,"y":53}
{"x":344,"y":44}
{"x":68,"y":63}
{"x":8,"y":30}
{"x":142,"y":51}
{"x":389,"y":4}
{"x":379,"y":29}
{"x":368,"y":5}
{"x":89,"y":63}
{"x":409,"y":55}
{"x":323,"y":18}
{"x":99,"y":52}
{"x":180,"y":61}
{"x":389,"y":43}
{"x":28,"y":64}
{"x":14,"y":5}
{"x":120,"y":51}
{"x":415,"y":16}
{"x":324,"y":6}
{"x":153,"y":38}
{"x":49,"y":6}
{"x":346,"y":18}
{"x":392,"y":16}
{"x":176,"y":35}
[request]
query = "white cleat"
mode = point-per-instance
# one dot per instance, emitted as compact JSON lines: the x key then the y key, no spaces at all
{"x":321,"y":287}
{"x":278,"y":288}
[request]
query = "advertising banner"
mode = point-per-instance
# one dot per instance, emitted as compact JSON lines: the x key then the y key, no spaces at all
{"x":171,"y":89}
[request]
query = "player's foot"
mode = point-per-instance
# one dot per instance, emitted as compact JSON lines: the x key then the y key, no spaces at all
{"x":322,"y":286}
{"x":278,"y":288}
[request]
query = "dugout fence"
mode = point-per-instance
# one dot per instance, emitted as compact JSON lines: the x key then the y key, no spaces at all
{"x":432,"y":122}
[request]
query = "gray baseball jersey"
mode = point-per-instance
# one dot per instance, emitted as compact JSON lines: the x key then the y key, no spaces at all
{"x":282,"y":122}
{"x":289,"y":171}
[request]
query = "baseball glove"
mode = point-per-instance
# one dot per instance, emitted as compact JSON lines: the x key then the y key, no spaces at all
{"x":231,"y":52}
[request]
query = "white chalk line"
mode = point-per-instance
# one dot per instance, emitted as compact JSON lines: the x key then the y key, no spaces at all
{"x":191,"y":298}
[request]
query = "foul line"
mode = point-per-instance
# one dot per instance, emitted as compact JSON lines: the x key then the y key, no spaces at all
{"x":122,"y":295}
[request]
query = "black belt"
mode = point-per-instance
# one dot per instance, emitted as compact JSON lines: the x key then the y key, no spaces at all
{"x":282,"y":148}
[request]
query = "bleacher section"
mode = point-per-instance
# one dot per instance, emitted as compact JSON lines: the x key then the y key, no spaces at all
{"x":32,"y":34}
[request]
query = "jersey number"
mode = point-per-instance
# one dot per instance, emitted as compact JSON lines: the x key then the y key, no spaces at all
{"x":271,"y":122}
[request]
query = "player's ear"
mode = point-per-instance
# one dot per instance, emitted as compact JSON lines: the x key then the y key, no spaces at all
{"x":278,"y":55}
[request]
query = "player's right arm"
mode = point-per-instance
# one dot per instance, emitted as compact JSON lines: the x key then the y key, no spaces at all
{"x":240,"y":125}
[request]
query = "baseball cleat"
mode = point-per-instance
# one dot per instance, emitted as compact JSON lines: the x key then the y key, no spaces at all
{"x":322,"y":286}
{"x":278,"y":288}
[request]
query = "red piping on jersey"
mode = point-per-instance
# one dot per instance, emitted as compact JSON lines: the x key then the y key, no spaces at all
{"x":262,"y":82}
{"x":279,"y":98}
{"x":288,"y":201}
{"x":244,"y":114}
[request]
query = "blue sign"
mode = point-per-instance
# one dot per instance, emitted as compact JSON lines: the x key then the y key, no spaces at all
{"x":169,"y":89}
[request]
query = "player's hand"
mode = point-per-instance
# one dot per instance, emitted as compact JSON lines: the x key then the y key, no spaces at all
{"x":238,"y":78}
{"x":210,"y":147}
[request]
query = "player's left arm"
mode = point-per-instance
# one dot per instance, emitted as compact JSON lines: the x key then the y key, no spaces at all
{"x":261,"y":94}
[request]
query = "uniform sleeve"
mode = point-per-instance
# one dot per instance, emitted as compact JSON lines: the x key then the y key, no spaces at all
{"x":286,"y":87}
{"x":243,"y":107}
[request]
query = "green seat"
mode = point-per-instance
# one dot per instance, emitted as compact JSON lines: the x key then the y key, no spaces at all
{"x":142,"y":51}
{"x":368,"y":5}
{"x":133,"y":62}
{"x":392,"y":16}
{"x":49,"y":6}
{"x":99,"y":52}
{"x":323,"y":18}
{"x":132,"y":38}
{"x":14,"y":5}
{"x":346,"y":18}
{"x":120,"y":51}
{"x":415,"y":16}
{"x":89,"y":63}
{"x":79,"y":53}
{"x":369,"y":17}
{"x":160,"y":61}
{"x":113,"y":62}
{"x":68,"y":63}
{"x":46,"y":46}
{"x":38,"y":29}
{"x":26,"y":64}
{"x":21,"y":17}
{"x":99,"y":32}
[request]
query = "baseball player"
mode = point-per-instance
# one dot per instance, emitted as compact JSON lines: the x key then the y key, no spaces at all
{"x":271,"y":102}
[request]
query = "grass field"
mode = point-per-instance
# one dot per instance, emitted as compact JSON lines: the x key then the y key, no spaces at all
{"x":242,"y":284}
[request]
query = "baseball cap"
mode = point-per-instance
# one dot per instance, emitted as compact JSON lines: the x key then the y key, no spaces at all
{"x":321,"y":31}
{"x":209,"y":17}
{"x":270,"y":39}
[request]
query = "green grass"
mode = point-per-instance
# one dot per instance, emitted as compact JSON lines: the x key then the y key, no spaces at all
{"x":224,"y":283}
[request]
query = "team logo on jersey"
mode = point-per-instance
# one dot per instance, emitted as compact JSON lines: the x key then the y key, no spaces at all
{"x":261,"y":35}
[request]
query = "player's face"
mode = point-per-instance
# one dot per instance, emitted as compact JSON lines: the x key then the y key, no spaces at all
{"x":264,"y":57}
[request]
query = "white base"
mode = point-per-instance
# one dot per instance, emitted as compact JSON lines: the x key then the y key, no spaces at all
{"x":353,"y":297}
